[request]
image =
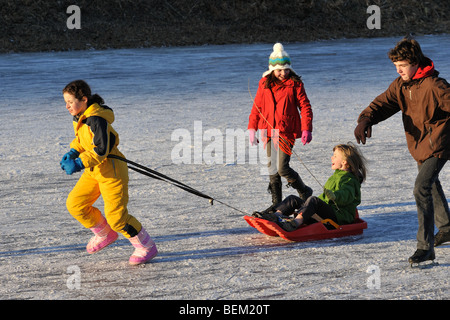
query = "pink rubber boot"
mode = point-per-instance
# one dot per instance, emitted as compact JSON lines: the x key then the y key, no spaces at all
{"x":145,"y":248}
{"x":103,"y":236}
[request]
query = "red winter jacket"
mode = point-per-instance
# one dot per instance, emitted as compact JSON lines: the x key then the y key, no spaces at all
{"x":290,"y":96}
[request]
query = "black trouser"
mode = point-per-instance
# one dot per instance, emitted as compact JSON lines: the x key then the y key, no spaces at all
{"x":312,"y":210}
{"x":431,"y":203}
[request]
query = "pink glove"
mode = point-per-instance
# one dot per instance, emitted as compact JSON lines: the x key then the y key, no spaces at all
{"x":251,"y":135}
{"x":306,"y":137}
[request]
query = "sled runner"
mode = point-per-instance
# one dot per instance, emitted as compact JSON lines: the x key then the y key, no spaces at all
{"x":424,"y":265}
{"x":325,"y":229}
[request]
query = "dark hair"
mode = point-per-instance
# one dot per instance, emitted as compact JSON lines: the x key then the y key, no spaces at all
{"x":407,"y":49}
{"x":271,"y":80}
{"x":80,"y":89}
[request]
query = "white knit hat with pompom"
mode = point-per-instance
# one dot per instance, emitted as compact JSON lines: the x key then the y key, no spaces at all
{"x":279,"y":59}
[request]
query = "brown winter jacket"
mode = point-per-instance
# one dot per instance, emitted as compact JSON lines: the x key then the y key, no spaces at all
{"x":425,"y":105}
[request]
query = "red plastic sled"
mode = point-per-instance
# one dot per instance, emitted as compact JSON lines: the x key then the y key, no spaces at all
{"x":316,"y":231}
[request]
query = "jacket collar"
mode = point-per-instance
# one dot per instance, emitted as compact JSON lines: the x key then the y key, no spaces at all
{"x":425,"y":70}
{"x":95,"y":110}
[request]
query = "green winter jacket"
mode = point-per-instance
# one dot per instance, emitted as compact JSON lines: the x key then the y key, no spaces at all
{"x":347,"y":189}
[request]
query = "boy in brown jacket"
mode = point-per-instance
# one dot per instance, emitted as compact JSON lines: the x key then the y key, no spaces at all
{"x":424,"y":100}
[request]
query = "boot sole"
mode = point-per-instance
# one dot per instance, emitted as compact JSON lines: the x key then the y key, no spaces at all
{"x":153,"y":253}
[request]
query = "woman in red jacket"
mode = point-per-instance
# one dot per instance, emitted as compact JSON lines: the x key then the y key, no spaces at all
{"x":275,"y":112}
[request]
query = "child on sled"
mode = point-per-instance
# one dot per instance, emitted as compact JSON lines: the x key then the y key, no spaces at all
{"x":338,"y":202}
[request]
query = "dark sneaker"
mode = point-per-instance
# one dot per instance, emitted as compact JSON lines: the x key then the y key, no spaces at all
{"x":270,"y":216}
{"x":421,"y":256}
{"x":441,"y":237}
{"x":287,"y":224}
{"x":267,"y":214}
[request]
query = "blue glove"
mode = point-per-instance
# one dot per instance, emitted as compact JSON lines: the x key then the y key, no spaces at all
{"x":72,"y":154}
{"x":71,"y":166}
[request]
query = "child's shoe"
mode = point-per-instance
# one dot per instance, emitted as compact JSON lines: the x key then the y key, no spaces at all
{"x":145,"y":248}
{"x":268,"y":214}
{"x":287,"y":224}
{"x":103,"y":236}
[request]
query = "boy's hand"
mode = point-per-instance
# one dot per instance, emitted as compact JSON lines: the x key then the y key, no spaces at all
{"x":363,"y":130}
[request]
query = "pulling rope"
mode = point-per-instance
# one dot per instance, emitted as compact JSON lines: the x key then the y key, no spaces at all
{"x":159,"y":176}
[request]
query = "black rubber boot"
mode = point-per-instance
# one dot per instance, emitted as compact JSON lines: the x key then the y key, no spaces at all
{"x":275,"y":188}
{"x":304,"y":192}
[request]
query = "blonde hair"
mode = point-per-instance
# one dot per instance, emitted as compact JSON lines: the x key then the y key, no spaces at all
{"x":356,"y":161}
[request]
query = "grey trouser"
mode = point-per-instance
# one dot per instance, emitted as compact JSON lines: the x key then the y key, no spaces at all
{"x":432,"y":206}
{"x":278,"y":162}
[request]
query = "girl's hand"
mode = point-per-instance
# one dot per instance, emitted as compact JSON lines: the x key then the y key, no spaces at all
{"x":72,"y":154}
{"x":251,"y":135}
{"x":329,"y":194}
{"x":306,"y":137}
{"x":71,"y":166}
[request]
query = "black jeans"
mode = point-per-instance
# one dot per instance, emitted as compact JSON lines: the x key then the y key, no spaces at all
{"x":431,"y":203}
{"x":312,"y":210}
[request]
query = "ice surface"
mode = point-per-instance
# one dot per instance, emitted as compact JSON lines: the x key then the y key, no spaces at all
{"x":206,"y":252}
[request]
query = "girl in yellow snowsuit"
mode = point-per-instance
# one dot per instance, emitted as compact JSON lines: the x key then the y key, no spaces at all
{"x":94,"y":140}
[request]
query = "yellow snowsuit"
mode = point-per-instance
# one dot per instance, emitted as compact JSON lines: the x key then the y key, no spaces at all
{"x":95,"y":138}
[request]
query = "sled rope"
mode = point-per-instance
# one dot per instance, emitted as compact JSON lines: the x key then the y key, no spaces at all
{"x":159,"y":176}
